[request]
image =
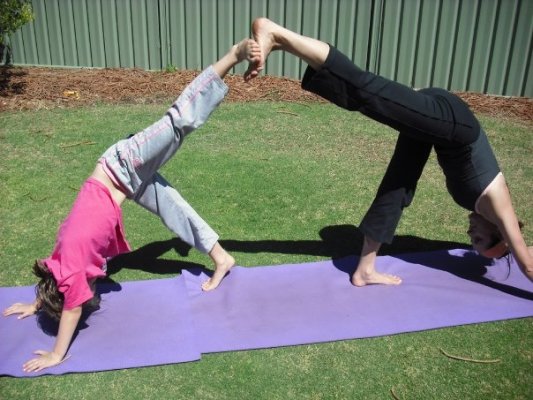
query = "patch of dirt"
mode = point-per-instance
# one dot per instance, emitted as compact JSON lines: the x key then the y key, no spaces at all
{"x":38,"y":88}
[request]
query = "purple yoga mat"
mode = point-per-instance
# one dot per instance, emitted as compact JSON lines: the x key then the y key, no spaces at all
{"x":139,"y":324}
{"x":171,"y":320}
{"x":315,"y":302}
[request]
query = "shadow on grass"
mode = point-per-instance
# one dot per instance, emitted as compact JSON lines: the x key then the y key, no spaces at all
{"x":337,"y":241}
{"x":146,"y":258}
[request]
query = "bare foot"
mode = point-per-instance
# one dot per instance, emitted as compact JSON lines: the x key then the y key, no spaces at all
{"x":263,"y":33}
{"x":374,"y":278}
{"x":223,"y":264}
{"x":248,"y":49}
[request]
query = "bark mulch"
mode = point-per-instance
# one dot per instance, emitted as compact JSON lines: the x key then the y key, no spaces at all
{"x":43,"y":88}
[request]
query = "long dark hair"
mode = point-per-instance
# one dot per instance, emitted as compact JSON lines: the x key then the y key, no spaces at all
{"x":497,"y":236}
{"x":49,"y":298}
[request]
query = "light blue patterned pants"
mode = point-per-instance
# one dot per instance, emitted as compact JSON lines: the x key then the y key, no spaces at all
{"x":133,"y":163}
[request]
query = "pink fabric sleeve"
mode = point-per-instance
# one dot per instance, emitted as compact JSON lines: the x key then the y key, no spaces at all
{"x":76,"y":290}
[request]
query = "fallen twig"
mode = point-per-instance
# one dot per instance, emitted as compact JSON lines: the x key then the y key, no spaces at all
{"x":394,"y":394}
{"x":469,"y":359}
{"x":82,"y":143}
{"x":301,"y":104}
{"x":35,"y":200}
{"x":288,"y":112}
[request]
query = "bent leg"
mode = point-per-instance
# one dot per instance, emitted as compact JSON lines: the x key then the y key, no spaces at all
{"x":160,"y":198}
{"x":397,"y":188}
{"x":395,"y":192}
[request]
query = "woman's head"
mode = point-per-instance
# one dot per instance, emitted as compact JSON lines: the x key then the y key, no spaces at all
{"x":49,"y":298}
{"x":486,"y":238}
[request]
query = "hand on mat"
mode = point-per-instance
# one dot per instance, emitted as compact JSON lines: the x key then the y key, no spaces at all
{"x":25,"y":310}
{"x":45,"y":360}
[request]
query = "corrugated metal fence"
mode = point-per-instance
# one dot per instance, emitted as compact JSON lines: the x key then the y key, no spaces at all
{"x":467,"y":45}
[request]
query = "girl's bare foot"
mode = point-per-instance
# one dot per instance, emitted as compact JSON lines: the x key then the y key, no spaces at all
{"x":263,"y":32}
{"x":248,"y":49}
{"x":374,"y":278}
{"x":223,"y":263}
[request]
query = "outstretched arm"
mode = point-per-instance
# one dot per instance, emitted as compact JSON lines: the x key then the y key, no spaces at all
{"x":67,"y":326}
{"x":496,"y":206}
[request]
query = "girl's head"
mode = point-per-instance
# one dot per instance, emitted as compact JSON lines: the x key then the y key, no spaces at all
{"x":486,"y":238}
{"x":50,"y":299}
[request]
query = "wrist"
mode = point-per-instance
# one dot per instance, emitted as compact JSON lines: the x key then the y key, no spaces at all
{"x":56,"y":356}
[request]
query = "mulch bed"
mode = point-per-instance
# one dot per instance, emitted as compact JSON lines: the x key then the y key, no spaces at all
{"x":43,"y":88}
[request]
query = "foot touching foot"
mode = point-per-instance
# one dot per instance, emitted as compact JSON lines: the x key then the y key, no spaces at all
{"x":263,"y":33}
{"x":222,"y":267}
{"x":248,"y":49}
{"x":374,"y":278}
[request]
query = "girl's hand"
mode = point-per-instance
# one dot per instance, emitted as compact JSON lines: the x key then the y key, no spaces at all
{"x":25,"y":310}
{"x":45,"y":360}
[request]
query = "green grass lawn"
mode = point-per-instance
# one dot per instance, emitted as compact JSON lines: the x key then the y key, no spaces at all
{"x":280,"y":183}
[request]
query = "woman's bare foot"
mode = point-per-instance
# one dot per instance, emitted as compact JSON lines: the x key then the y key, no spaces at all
{"x":263,"y":31}
{"x":223,"y":263}
{"x":374,"y":278}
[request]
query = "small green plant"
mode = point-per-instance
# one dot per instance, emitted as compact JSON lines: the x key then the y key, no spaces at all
{"x":13,"y":15}
{"x":171,"y":68}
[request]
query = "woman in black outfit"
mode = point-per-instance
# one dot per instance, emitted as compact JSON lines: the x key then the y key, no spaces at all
{"x":425,"y":119}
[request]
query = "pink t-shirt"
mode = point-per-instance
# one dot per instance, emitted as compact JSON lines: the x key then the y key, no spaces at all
{"x":91,"y":233}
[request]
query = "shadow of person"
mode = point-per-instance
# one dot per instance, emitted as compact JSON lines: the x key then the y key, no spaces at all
{"x":343,"y":244}
{"x":146,"y":258}
{"x":336,"y":241}
{"x":469,"y":265}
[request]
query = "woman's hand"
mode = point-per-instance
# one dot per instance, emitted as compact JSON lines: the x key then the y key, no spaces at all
{"x":24,"y":309}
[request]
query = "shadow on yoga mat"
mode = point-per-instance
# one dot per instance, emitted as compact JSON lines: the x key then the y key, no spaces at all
{"x":272,"y":306}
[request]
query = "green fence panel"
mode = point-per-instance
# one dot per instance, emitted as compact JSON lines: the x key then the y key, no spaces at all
{"x":82,"y":35}
{"x":464,"y":45}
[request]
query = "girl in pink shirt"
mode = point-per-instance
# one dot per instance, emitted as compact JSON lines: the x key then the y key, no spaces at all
{"x":93,"y":231}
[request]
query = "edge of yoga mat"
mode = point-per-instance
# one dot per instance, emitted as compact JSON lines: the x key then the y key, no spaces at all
{"x":271,"y":306}
{"x":135,"y":327}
